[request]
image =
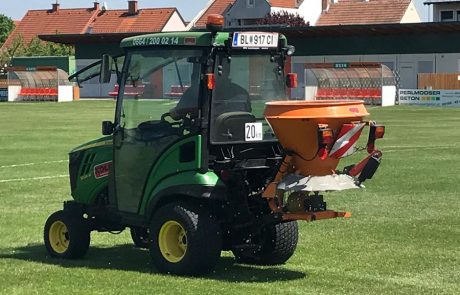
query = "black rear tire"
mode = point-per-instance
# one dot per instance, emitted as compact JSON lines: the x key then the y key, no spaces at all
{"x":278,"y":243}
{"x":140,"y":237}
{"x":185,"y":240}
{"x":66,"y":235}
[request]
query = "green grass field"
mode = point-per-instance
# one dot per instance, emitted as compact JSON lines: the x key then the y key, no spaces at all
{"x":403,"y":238}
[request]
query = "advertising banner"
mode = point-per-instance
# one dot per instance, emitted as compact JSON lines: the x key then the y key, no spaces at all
{"x":424,"y":97}
{"x":3,"y":94}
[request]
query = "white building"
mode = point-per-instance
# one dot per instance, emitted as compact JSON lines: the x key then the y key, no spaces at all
{"x":444,"y":10}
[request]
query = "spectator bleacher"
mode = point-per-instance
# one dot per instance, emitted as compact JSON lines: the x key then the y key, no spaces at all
{"x":176,"y":91}
{"x":38,"y":94}
{"x":349,"y":93}
{"x":129,"y":90}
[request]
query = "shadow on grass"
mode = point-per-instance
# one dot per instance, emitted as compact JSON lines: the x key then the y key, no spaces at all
{"x":128,"y":258}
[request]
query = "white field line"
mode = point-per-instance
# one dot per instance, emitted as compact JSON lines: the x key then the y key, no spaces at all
{"x":417,"y":148}
{"x":415,"y":281}
{"x":33,"y":178}
{"x":422,"y":146}
{"x":32,"y":164}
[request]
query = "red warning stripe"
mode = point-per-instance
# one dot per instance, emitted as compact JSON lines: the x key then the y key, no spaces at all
{"x":346,"y":140}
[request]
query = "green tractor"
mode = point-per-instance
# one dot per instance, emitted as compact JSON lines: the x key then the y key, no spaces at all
{"x":189,"y":163}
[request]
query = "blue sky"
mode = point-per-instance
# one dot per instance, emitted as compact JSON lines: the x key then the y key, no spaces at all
{"x":188,"y":8}
{"x":17,"y":8}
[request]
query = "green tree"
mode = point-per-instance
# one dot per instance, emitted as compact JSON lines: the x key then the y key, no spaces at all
{"x":36,"y":47}
{"x":16,"y":48}
{"x":6,"y":26}
{"x":283,"y":18}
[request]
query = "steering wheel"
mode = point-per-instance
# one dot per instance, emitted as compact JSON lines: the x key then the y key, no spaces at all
{"x":168,"y":114}
{"x":163,"y":117}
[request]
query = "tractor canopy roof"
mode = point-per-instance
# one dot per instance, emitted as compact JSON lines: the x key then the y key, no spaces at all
{"x":181,"y":39}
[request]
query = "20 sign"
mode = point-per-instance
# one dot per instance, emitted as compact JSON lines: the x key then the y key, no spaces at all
{"x":253,"y":132}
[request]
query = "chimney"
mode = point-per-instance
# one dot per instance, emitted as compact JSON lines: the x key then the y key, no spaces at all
{"x":56,"y":7}
{"x":325,"y":5}
{"x":97,"y":6}
{"x":132,"y":7}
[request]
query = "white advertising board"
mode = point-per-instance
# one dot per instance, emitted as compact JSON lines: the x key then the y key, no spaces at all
{"x":388,"y":95}
{"x":13,"y":92}
{"x":65,"y":93}
{"x":423,"y":97}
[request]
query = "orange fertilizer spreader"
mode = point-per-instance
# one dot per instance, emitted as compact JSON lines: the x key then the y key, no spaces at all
{"x":316,"y":135}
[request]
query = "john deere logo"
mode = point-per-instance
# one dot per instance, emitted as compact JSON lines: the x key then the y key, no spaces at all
{"x":102,"y":170}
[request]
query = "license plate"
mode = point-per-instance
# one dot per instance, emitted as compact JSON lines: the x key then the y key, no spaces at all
{"x":255,"y":40}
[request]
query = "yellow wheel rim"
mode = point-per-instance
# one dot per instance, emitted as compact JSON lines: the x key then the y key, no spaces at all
{"x":172,"y":241}
{"x":59,"y":237}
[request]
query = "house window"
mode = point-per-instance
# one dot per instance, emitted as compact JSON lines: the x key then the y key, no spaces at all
{"x":447,"y":16}
{"x":250,"y":22}
{"x":250,"y":3}
{"x":425,"y":67}
{"x":458,"y":15}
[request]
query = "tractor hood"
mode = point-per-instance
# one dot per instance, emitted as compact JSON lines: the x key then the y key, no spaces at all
{"x":89,"y":166}
{"x":100,"y":142}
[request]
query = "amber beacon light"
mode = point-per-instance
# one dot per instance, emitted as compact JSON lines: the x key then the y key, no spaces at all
{"x":215,"y":22}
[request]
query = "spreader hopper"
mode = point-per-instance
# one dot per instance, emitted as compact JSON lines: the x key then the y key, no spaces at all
{"x":315,"y":135}
{"x":307,"y":129}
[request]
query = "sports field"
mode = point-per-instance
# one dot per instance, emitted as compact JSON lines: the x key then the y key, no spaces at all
{"x":403,"y":237}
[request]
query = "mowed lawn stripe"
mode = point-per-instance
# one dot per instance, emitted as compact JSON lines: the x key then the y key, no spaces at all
{"x":403,"y":236}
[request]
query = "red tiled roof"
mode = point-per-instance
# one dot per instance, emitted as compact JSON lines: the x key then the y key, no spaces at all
{"x":16,"y":23}
{"x":63,"y":21}
{"x":283,"y":3}
{"x":118,"y":21}
{"x":351,"y":12}
{"x":82,"y":21}
{"x":218,"y":7}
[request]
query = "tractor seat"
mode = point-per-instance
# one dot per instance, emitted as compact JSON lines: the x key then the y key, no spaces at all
{"x":230,"y":126}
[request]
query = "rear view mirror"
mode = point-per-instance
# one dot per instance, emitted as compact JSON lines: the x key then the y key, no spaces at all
{"x":107,"y":128}
{"x":106,"y":69}
{"x":291,"y":80}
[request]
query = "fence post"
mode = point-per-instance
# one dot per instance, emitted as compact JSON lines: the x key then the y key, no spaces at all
{"x":397,"y":84}
{"x":381,"y":84}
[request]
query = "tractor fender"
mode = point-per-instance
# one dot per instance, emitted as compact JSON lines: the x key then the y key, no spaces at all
{"x":191,"y":185}
{"x":186,"y":192}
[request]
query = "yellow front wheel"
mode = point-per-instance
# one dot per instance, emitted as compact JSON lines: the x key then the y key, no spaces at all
{"x":59,"y":237}
{"x":66,"y":236}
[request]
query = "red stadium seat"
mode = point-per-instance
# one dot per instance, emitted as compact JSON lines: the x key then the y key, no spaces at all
{"x":114,"y":92}
{"x":321,"y":93}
